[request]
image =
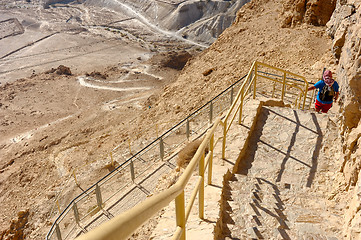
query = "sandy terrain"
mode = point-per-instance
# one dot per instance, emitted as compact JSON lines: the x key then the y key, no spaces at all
{"x":51,"y":123}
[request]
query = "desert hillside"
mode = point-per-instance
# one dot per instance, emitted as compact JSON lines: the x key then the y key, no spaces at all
{"x":68,"y":129}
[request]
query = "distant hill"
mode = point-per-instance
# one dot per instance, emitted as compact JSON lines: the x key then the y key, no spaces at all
{"x":198,"y":20}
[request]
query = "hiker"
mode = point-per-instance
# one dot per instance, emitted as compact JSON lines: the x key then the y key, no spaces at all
{"x":327,"y":92}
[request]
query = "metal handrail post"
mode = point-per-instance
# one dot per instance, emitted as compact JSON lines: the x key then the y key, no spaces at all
{"x":180,"y":214}
{"x":58,"y":205}
{"x":305,"y":97}
{"x":255,"y":80}
{"x":224,"y":140}
{"x":240,"y":112}
{"x":299,"y":100}
{"x":201,"y":187}
{"x":76,"y":181}
{"x":111,"y":158}
{"x":76,"y":213}
{"x":249,"y":81}
{"x":57,"y":230}
{"x":211,"y":112}
{"x":241,"y":108}
{"x":187,"y":129}
{"x":132,"y":173}
{"x":98,"y":196}
{"x":210,"y":164}
{"x":283,"y":86}
{"x":161,"y":149}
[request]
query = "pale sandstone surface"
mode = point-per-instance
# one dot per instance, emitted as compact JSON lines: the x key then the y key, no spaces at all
{"x":89,"y":132}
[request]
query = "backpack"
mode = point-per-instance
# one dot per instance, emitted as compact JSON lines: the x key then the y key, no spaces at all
{"x":327,"y":93}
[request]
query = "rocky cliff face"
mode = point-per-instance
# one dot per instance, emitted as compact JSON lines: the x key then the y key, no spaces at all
{"x":203,"y":20}
{"x":345,"y":29}
{"x":313,"y":12}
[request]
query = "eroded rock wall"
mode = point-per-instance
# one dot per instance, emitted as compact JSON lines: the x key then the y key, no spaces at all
{"x":315,"y":12}
{"x":345,"y":29}
{"x":211,"y":25}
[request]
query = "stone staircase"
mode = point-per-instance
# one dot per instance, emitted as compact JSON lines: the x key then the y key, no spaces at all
{"x":282,"y":185}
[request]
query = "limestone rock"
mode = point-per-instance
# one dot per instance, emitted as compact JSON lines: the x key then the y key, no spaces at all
{"x":353,"y":214}
{"x":313,"y":12}
{"x":337,"y":27}
{"x":345,"y":28}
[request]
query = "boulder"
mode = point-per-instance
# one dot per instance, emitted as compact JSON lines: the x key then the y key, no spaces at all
{"x":63,"y":70}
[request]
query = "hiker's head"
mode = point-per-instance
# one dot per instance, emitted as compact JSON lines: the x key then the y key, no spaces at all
{"x":327,"y":77}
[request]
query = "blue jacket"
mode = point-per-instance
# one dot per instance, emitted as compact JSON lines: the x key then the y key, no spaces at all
{"x":319,"y":85}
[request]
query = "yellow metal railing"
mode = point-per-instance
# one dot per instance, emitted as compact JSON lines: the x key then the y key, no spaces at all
{"x":289,"y":80}
{"x":123,"y":225}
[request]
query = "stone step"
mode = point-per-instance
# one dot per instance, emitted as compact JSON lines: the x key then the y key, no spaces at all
{"x":279,"y":191}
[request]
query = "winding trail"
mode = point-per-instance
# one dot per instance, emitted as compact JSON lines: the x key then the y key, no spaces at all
{"x":90,"y":82}
{"x":82,"y":81}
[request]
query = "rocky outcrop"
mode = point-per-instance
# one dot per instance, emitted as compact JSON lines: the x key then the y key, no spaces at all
{"x":341,"y":19}
{"x":315,"y":12}
{"x":345,"y":29}
{"x":175,"y":60}
{"x":61,"y":70}
{"x":17,"y":227}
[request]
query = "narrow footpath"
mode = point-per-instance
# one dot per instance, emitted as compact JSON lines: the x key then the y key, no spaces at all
{"x":282,"y":188}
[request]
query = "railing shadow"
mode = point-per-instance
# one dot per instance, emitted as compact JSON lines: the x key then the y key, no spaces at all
{"x":309,"y":163}
{"x":316,"y":152}
{"x":246,"y":163}
{"x":292,"y":143}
